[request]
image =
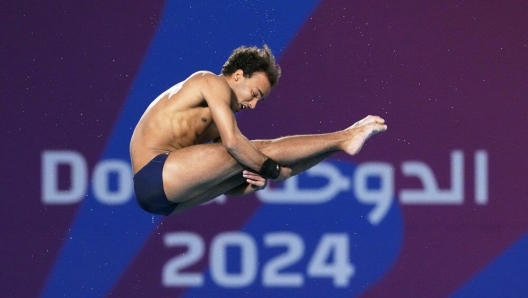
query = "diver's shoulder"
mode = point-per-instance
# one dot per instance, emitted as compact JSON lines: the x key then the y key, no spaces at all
{"x":208,"y":79}
{"x":204,"y":74}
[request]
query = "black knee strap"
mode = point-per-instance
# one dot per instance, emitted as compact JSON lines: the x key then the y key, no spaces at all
{"x":270,"y":169}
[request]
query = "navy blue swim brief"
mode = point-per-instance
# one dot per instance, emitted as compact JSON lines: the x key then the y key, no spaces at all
{"x":148,"y":185}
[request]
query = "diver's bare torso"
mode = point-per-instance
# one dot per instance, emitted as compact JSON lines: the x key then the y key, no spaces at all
{"x":178,"y":118}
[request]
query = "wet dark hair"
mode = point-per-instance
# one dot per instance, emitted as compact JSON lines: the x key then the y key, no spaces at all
{"x":251,"y":60}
